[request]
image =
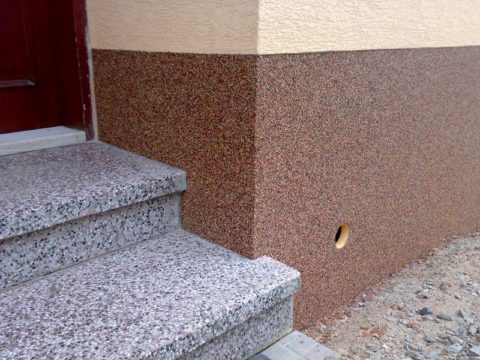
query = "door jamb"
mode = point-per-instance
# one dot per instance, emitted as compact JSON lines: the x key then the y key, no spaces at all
{"x":84,"y":56}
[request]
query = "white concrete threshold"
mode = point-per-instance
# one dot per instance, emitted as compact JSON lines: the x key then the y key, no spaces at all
{"x":31,"y":140}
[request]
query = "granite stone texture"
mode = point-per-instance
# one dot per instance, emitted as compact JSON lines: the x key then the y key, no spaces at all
{"x":248,"y":338}
{"x":52,"y":186}
{"x":283,"y":149}
{"x":194,"y":112}
{"x":41,"y":252}
{"x":160,"y":298}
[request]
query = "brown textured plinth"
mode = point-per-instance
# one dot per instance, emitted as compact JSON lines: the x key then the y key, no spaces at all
{"x":388,"y":141}
{"x":281,"y":150}
{"x":194,"y":112}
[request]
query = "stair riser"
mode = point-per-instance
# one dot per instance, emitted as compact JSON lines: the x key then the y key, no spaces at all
{"x":41,"y":252}
{"x":249,"y":338}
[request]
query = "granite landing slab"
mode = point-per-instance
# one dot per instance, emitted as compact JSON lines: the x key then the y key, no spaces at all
{"x":48,"y":187}
{"x":162,"y":298}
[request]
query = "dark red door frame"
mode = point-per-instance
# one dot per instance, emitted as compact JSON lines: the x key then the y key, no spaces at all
{"x":83,"y":55}
{"x":44,"y":66}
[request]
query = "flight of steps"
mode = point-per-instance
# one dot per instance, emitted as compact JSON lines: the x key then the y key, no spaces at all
{"x":94,"y":264}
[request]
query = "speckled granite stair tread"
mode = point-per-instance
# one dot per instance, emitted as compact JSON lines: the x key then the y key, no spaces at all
{"x":160,"y":298}
{"x":48,"y":187}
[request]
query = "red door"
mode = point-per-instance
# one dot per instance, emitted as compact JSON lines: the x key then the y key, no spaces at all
{"x":40,"y":65}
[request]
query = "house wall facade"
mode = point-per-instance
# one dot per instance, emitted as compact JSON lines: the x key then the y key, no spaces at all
{"x":294,"y":117}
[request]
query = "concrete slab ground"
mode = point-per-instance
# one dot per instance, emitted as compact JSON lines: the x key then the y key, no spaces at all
{"x":297,"y":346}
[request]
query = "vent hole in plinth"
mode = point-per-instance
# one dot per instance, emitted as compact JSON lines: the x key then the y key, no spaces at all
{"x":341,"y":237}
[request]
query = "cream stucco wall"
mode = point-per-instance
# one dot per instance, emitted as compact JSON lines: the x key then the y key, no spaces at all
{"x":194,"y":26}
{"x":281,"y":26}
{"x":291,"y":26}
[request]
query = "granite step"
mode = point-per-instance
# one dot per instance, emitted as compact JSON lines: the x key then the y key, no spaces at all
{"x":174,"y":297}
{"x":65,"y":205}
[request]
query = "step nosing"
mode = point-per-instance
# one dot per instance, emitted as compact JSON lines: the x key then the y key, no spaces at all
{"x":26,"y":214}
{"x":54,"y":186}
{"x":225,"y":328}
{"x":201,"y":340}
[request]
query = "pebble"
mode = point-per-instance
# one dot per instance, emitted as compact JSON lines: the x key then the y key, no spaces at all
{"x":425,"y":311}
{"x":444,"y":316}
{"x":427,"y":317}
{"x":376,"y":356}
{"x":475,"y":350}
{"x":455,"y":348}
{"x":372,"y":346}
{"x":444,"y":339}
{"x":413,"y":346}
{"x":473,"y":330}
{"x":415,"y":355}
{"x":366,"y":297}
{"x":429,"y":338}
{"x":433,"y":355}
{"x":465,"y":316}
{"x":461,"y":332}
{"x":454,"y":340}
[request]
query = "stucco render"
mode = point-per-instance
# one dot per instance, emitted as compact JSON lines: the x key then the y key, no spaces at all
{"x":280,"y":26}
{"x":295,"y":26}
{"x":200,"y":26}
{"x":282,"y":149}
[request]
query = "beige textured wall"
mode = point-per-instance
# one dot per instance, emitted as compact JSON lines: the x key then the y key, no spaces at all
{"x":193,"y":26}
{"x":281,"y":26}
{"x":293,"y":26}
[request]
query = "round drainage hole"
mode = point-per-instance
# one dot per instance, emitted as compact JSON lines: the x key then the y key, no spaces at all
{"x":341,"y":237}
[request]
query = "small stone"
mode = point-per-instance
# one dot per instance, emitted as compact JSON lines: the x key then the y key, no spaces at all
{"x":415,"y":355}
{"x":376,"y":356}
{"x":473,"y":330}
{"x":465,"y":316}
{"x":427,"y":317}
{"x":445,"y":339}
{"x":366,"y":297}
{"x":429,"y":338}
{"x":444,"y":316}
{"x":454,"y":340}
{"x":462,"y":332}
{"x":372,"y":346}
{"x":413,"y":346}
{"x":475,"y":350}
{"x":433,"y":355}
{"x":455,"y":348}
{"x":425,"y":311}
{"x":457,"y":296}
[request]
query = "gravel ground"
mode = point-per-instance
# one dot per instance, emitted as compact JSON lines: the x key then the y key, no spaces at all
{"x":428,"y":311}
